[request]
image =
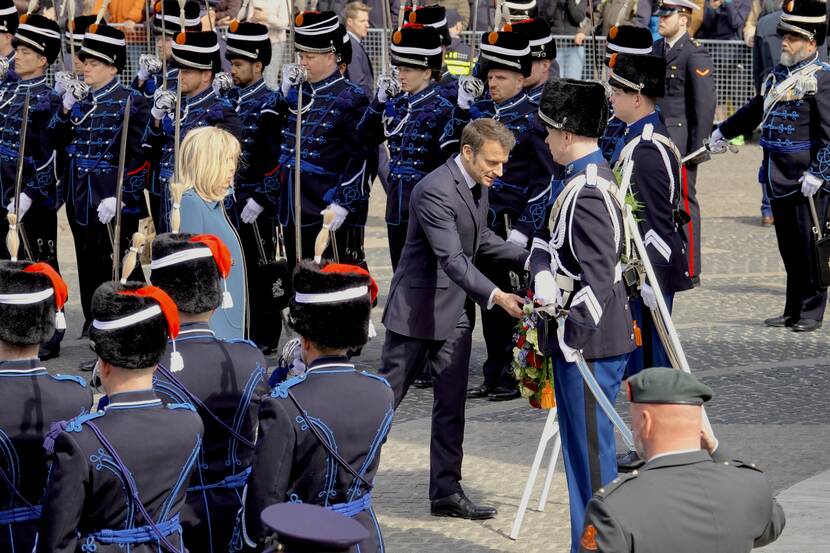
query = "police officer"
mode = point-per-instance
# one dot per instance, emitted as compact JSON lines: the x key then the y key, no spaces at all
{"x":223,"y":380}
{"x":320,"y":433}
{"x":196,"y":55}
{"x":625,"y":39}
{"x":685,"y":487}
{"x":300,"y":527}
{"x":688,"y":106}
{"x":517,"y":198}
{"x":32,"y":399}
{"x":543,"y":52}
{"x":333,"y":162}
{"x":88,"y":129}
{"x":457,"y":53}
{"x":793,"y":113}
{"x":579,"y":269}
{"x":118,"y":476}
{"x":637,"y":81}
{"x":410,"y":113}
{"x":248,"y":48}
{"x":9,"y":20}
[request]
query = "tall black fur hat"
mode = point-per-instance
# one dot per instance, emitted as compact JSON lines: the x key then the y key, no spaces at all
{"x":434,"y":16}
{"x":41,"y":35}
{"x":537,"y":31}
{"x":805,"y":18}
{"x":172,"y":17}
{"x":331,"y":305}
{"x":104,"y":43}
{"x":628,"y":39}
{"x":645,"y":74}
{"x":576,"y":106}
{"x":506,"y":50}
{"x":75,"y":30}
{"x":196,"y":50}
{"x":516,"y":10}
{"x":185,"y":268}
{"x":248,"y":41}
{"x":9,"y":18}
{"x":132,"y":323}
{"x":416,"y":46}
{"x":29,"y":295}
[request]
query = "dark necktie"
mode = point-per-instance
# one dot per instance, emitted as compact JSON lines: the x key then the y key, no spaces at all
{"x":476,"y":190}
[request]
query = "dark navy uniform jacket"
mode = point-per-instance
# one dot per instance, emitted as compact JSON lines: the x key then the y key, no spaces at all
{"x":87,"y":504}
{"x":795,"y":135}
{"x":32,"y":400}
{"x":413,"y":125}
{"x":521,"y":192}
{"x":689,"y":104}
{"x":656,"y":184}
{"x":586,"y":246}
{"x":229,"y":379}
{"x":353,"y":411}
{"x":205,"y":109}
{"x":155,"y":82}
{"x":91,"y":136}
{"x":39,"y":165}
{"x":614,"y":133}
{"x":333,"y":161}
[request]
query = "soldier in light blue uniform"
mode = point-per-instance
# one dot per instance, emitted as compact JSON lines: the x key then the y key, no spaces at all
{"x":196,"y":55}
{"x":9,"y":20}
{"x":224,"y":380}
{"x":118,"y":476}
{"x":321,"y":433}
{"x":32,"y":399}
{"x":410,"y":112}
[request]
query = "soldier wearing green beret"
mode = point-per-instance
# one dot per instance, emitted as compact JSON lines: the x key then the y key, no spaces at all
{"x":687,"y":497}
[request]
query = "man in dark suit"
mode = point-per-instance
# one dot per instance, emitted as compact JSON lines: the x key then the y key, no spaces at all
{"x":360,"y":70}
{"x":430,"y":311}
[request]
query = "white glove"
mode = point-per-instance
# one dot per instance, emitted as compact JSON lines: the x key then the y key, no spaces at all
{"x":517,"y":237}
{"x":648,"y":295}
{"x":388,"y":87}
{"x":25,"y":204}
{"x":717,"y":143}
{"x":339,"y":216}
{"x":469,"y":90}
{"x":810,"y":183}
{"x":545,"y":289}
{"x":106,"y":210}
{"x":74,"y":92}
{"x":164,"y":103}
{"x":568,"y":353}
{"x":148,"y":65}
{"x":292,"y":75}
{"x":293,"y":351}
{"x":68,"y":100}
{"x":61,"y":80}
{"x":251,"y":211}
{"x":4,"y":67}
{"x":222,"y":82}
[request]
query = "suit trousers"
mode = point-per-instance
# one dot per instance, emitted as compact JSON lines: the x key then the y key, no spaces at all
{"x":806,"y":299}
{"x":692,"y":207}
{"x":588,"y":446}
{"x":265,"y":326}
{"x":403,"y":359}
{"x":652,"y":353}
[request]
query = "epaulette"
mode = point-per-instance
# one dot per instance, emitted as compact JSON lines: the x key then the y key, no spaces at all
{"x":741,"y":465}
{"x":614,"y":484}
{"x":281,"y":390}
{"x":76,"y":424}
{"x":376,"y":377}
{"x":696,"y":42}
{"x":175,"y":406}
{"x":70,"y":378}
{"x":591,"y":175}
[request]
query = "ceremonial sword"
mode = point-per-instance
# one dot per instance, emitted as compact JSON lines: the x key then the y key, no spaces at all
{"x":119,"y":190}
{"x":298,"y":128}
{"x":15,"y":224}
{"x":707,"y":147}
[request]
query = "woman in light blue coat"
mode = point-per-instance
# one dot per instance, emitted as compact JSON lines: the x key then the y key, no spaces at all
{"x":208,"y":160}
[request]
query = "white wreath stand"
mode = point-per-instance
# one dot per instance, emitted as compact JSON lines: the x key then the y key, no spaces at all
{"x":549,"y":432}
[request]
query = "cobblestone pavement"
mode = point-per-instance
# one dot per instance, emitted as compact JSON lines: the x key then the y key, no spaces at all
{"x":771,"y":404}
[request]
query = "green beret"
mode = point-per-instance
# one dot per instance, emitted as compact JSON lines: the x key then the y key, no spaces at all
{"x":664,"y":385}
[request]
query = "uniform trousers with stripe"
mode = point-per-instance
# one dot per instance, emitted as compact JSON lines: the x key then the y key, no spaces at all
{"x":588,"y":446}
{"x":652,"y":353}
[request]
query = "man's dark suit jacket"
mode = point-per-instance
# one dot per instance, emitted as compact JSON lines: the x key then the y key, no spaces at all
{"x":360,"y":71}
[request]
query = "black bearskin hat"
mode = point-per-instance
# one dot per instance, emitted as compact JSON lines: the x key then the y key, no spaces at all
{"x":576,"y":106}
{"x":506,"y":50}
{"x":172,"y":17}
{"x":645,"y":74}
{"x":248,"y":41}
{"x":540,"y":39}
{"x":628,"y":39}
{"x":416,"y":46}
{"x":805,"y":18}
{"x":27,"y":303}
{"x":434,"y":16}
{"x":75,"y":30}
{"x":106,"y":44}
{"x":194,"y":284}
{"x":9,"y":18}
{"x":41,"y":35}
{"x":196,"y":50}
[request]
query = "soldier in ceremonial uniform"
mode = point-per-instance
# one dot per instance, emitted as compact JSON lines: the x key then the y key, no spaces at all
{"x":118,"y":476}
{"x":410,"y":112}
{"x":224,"y":380}
{"x":518,"y":197}
{"x":637,"y":81}
{"x":32,"y":399}
{"x":300,"y":527}
{"x":625,"y":39}
{"x":542,"y":51}
{"x":688,"y":107}
{"x":579,"y":269}
{"x":794,"y":113}
{"x":196,"y":55}
{"x":333,"y":162}
{"x":684,"y":486}
{"x":435,"y":16}
{"x":74,"y":31}
{"x":88,"y":128}
{"x":9,"y":20}
{"x":333,"y":462}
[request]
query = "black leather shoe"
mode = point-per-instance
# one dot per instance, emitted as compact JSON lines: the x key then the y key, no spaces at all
{"x":806,"y":325}
{"x":479,"y":391}
{"x":503,"y":394}
{"x":423,"y":381}
{"x":627,"y":462}
{"x":459,"y":506}
{"x":87,"y":366}
{"x":779,"y":322}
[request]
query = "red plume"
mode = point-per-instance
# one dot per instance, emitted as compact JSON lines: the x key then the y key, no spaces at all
{"x":221,"y":253}
{"x":168,"y":306}
{"x":61,"y":290}
{"x":344,"y":268}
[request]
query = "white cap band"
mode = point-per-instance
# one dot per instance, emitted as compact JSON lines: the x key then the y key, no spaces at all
{"x":129,"y":320}
{"x":28,"y":298}
{"x":180,"y":257}
{"x":332,"y":297}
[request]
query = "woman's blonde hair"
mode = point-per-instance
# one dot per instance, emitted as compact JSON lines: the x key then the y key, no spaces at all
{"x":205,"y":157}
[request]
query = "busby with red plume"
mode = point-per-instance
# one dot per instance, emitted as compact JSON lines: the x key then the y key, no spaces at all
{"x":30,"y":295}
